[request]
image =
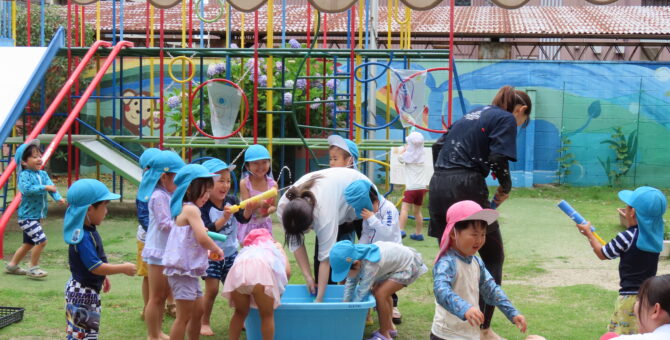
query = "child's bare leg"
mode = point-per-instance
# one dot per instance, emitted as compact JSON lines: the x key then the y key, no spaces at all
{"x":158,"y":291}
{"x":20,"y":254}
{"x":266,"y":310}
{"x":37,"y":252}
{"x":145,"y":291}
{"x":390,"y":302}
{"x":404,"y":212}
{"x":211,"y":289}
{"x":385,"y":305}
{"x":194,"y":322}
{"x":418,"y":218}
{"x":184,"y":311}
{"x":242,"y":304}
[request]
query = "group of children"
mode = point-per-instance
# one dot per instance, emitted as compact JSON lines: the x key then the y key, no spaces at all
{"x":178,"y":204}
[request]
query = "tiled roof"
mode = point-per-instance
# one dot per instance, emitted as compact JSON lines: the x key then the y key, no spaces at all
{"x":565,"y":21}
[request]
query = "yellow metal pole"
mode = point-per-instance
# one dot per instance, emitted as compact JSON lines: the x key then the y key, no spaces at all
{"x":270,"y":75}
{"x":359,"y":60}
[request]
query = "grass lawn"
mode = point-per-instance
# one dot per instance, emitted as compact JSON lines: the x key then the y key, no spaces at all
{"x":551,"y":274}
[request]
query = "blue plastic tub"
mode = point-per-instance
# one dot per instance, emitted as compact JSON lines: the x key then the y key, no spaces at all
{"x":299,"y":318}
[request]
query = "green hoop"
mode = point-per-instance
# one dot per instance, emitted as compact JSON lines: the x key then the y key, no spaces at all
{"x":216,"y":18}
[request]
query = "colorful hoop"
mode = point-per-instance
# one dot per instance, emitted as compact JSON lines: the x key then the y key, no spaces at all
{"x":190,"y":108}
{"x":190,"y":77}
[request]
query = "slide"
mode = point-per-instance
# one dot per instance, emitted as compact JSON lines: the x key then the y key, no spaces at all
{"x":112,"y":158}
{"x":22,"y":70}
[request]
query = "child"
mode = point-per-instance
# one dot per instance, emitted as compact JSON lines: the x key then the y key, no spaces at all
{"x":188,"y":242}
{"x":380,"y":217}
{"x":342,"y":153}
{"x":258,"y":278}
{"x":415,"y":189}
{"x":638,"y":246}
{"x":143,"y":219}
{"x":33,"y":184}
{"x":217,"y":218}
{"x":88,"y":263}
{"x":383,"y":267}
{"x":157,"y":186}
{"x":652,"y":310}
{"x":460,"y":277}
{"x":257,"y":179}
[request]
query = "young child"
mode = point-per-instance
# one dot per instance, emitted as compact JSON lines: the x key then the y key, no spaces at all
{"x":33,"y":184}
{"x":415,"y":189}
{"x":257,"y":179}
{"x":217,"y":218}
{"x":383,"y":268}
{"x":258,"y":278}
{"x":88,"y":200}
{"x":157,"y":186}
{"x":638,"y":247}
{"x":459,"y":277}
{"x":143,"y":220}
{"x":380,"y":217}
{"x":188,"y":242}
{"x":342,"y":153}
{"x":652,"y":310}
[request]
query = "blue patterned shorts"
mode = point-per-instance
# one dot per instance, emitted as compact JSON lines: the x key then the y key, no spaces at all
{"x":82,"y":311}
{"x":219,"y":269}
{"x":32,"y":231}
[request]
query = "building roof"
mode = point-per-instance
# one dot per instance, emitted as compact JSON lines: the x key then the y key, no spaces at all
{"x":471,"y":21}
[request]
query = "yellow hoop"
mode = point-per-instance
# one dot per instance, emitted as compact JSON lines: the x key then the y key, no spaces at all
{"x":190,"y":77}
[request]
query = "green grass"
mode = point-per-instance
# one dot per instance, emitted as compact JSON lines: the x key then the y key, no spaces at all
{"x":550,"y":274}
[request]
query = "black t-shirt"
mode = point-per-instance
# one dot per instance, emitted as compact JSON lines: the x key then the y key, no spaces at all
{"x":85,"y":257}
{"x":472,"y":139}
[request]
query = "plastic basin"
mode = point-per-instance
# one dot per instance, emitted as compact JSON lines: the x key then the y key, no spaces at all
{"x":299,"y":318}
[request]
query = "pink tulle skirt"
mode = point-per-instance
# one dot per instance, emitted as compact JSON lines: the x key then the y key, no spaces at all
{"x":246,"y":273}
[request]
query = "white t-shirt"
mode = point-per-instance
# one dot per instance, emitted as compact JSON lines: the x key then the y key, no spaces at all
{"x":331,"y":208}
{"x":660,"y":333}
{"x":383,"y":225}
{"x":416,"y":176}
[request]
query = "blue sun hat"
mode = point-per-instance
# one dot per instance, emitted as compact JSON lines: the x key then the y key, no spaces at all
{"x":357,"y":195}
{"x":20,"y":150}
{"x":344,"y":253}
{"x":147,"y":155}
{"x":649,"y":204}
{"x":165,"y":161}
{"x":80,"y":196}
{"x":256,"y":152}
{"x":182,"y":180}
{"x":345,"y":144}
{"x":215,"y":165}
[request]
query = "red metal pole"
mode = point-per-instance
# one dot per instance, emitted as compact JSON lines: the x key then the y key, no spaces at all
{"x":162,"y":80}
{"x":351,"y":72}
{"x":451,"y":63}
{"x":72,"y":116}
{"x":308,"y":84}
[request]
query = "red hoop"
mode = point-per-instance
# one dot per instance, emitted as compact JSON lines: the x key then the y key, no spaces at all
{"x":395,"y":100}
{"x":197,"y":126}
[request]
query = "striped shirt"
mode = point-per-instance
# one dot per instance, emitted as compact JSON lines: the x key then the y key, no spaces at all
{"x":620,"y":244}
{"x":635,"y":265}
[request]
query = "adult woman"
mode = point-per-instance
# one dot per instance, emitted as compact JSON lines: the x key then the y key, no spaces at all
{"x":316,"y":202}
{"x":483,"y":140}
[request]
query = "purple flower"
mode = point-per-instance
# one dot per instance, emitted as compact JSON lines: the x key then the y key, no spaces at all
{"x":301,"y":84}
{"x":249,"y":64}
{"x":279,"y":66}
{"x":294,"y":43}
{"x":174,"y":102}
{"x":289,"y":83}
{"x":233,"y":45}
{"x":330,"y":105}
{"x":262,"y":80}
{"x":315,"y":106}
{"x":332,"y":83}
{"x":215,"y":69}
{"x":288,"y":98}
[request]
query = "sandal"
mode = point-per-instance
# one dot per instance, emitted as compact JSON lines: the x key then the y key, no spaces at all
{"x":393,"y":333}
{"x":14,"y":270}
{"x":378,"y":336}
{"x":396,"y":316}
{"x":36,"y":273}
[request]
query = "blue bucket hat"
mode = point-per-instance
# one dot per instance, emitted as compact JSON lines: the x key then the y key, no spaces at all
{"x":147,"y":155}
{"x":649,"y":204}
{"x":345,"y":144}
{"x":344,"y":253}
{"x":357,"y":195}
{"x":20,"y":150}
{"x":165,"y":161}
{"x":182,"y":180}
{"x":215,"y":165}
{"x":80,"y":196}
{"x":256,"y":152}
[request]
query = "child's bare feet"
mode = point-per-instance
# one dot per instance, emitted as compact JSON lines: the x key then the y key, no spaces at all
{"x":489,"y":334}
{"x":164,"y":336}
{"x":206,"y":330}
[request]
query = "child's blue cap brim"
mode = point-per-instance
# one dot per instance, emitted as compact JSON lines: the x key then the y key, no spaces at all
{"x":20,"y":150}
{"x":650,"y":205}
{"x":215,"y":165}
{"x":80,"y":196}
{"x":165,"y":161}
{"x":182,"y":180}
{"x":344,"y":253}
{"x":357,"y":194}
{"x":256,"y":152}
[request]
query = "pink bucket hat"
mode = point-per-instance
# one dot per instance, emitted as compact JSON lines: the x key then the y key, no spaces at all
{"x":257,"y":236}
{"x":464,"y":211}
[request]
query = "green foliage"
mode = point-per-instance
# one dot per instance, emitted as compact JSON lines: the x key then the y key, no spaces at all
{"x":566,"y":159}
{"x":625,"y":150}
{"x":54,"y":17}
